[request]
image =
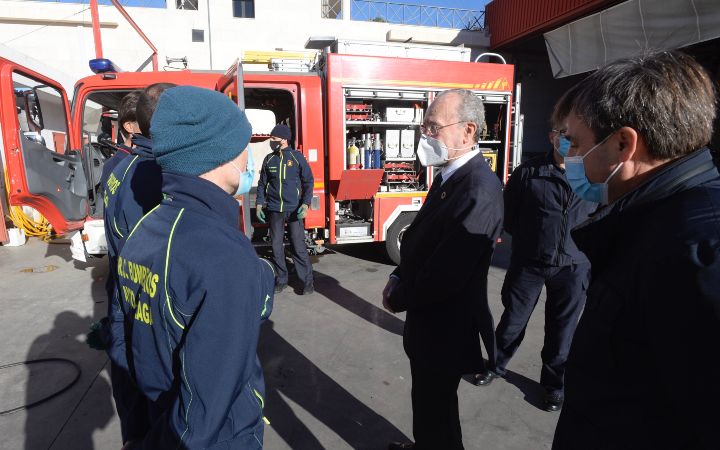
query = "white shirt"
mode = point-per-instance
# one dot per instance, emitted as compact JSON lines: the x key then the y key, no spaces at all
{"x":451,"y":167}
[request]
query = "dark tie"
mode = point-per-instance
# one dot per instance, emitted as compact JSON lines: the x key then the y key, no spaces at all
{"x":436,"y":185}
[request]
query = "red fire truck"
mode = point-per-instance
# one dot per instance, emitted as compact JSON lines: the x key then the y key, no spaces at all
{"x":355,"y":118}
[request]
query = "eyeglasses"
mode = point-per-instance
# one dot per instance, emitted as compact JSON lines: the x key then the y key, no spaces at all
{"x":432,"y":130}
{"x":560,"y":132}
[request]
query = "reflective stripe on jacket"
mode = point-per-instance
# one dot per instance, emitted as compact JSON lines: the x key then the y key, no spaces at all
{"x":194,"y":294}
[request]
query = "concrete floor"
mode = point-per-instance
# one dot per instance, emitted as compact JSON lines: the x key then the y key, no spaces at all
{"x":336,"y":373}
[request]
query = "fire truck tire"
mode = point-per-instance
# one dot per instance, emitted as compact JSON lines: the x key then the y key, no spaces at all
{"x":395,"y":234}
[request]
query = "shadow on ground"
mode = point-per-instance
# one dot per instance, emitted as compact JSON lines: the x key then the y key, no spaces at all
{"x":532,"y":390}
{"x":47,"y":421}
{"x":46,"y":378}
{"x":289,"y":374}
{"x":330,"y":288}
{"x":369,"y":251}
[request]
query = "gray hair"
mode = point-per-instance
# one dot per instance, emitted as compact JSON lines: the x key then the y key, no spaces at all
{"x":666,"y":97}
{"x":471,"y":108}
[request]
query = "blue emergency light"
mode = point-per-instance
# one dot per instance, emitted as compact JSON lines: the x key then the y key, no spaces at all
{"x":102,"y":65}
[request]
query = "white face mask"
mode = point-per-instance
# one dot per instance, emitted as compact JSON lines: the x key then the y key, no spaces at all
{"x":432,"y":152}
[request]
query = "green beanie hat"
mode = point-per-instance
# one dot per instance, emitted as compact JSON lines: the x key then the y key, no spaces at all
{"x":195,"y":130}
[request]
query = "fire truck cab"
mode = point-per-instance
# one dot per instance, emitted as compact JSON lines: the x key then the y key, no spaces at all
{"x":53,"y":152}
{"x":356,"y":119}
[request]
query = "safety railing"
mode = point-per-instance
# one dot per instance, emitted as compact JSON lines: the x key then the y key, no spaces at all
{"x":406,"y":13}
{"x":331,"y":9}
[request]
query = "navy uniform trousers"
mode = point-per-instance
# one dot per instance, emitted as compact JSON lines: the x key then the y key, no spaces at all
{"x":566,"y":286}
{"x":298,"y":249}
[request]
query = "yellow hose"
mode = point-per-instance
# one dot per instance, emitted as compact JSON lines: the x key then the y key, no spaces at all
{"x":17,"y":216}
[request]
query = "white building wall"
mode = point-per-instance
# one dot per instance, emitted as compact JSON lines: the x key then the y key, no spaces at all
{"x":60,"y":34}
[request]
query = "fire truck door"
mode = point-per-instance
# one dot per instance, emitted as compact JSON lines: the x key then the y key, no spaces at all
{"x":42,"y":171}
{"x":234,"y":78}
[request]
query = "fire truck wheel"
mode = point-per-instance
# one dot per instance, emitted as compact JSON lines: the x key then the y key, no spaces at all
{"x":395,"y":234}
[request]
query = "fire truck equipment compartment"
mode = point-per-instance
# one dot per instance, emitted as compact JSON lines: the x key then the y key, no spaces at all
{"x":359,"y":184}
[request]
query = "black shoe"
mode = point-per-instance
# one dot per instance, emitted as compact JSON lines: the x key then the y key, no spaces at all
{"x":309,"y":289}
{"x":483,"y":379}
{"x":553,"y":402}
{"x":401,"y":446}
{"x":280,"y":287}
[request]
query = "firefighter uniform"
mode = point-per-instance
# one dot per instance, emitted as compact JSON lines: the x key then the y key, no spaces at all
{"x":108,"y":168}
{"x":285,"y":183}
{"x":540,"y":211}
{"x":132,"y":189}
{"x":109,"y":165}
{"x":192,"y":288}
{"x":188,"y":260}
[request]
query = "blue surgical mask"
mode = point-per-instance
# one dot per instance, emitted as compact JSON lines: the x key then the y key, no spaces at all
{"x":578,"y":180}
{"x":246,"y":177}
{"x":564,"y":146}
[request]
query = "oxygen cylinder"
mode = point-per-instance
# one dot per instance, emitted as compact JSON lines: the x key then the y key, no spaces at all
{"x":377,"y":152}
{"x":367,"y":152}
{"x":353,"y":156}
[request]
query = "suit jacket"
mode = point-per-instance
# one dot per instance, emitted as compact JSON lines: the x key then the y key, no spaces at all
{"x":444,"y":261}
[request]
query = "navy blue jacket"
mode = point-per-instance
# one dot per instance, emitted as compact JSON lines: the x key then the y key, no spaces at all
{"x":643,"y":368}
{"x":107,"y":170}
{"x":194,"y":294}
{"x":444,"y":262}
{"x":132,"y":190}
{"x":109,"y":165}
{"x":143,"y":189}
{"x":540,"y":211}
{"x":286,"y":181}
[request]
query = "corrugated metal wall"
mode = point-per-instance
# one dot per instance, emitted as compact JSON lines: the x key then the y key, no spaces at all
{"x":509,"y":20}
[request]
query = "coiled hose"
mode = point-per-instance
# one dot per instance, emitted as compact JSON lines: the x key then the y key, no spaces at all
{"x":40,"y":229}
{"x":78,"y":371}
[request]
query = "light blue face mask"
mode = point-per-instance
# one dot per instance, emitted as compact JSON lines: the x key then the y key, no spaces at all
{"x":563,"y":147}
{"x":578,"y":180}
{"x":246,"y":178}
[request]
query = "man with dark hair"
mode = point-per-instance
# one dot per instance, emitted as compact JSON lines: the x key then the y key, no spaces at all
{"x":146,"y":105}
{"x":138,"y":179}
{"x":643,"y":369}
{"x":540,"y":211}
{"x":127,"y":116}
{"x":284,"y":191}
{"x":129,"y":402}
{"x":127,"y":126}
{"x":133,"y":188}
{"x":193,"y":290}
{"x":442,"y":278}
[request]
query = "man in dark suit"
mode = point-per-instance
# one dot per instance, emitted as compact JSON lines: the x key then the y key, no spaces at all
{"x":442,"y":278}
{"x":643,"y":370}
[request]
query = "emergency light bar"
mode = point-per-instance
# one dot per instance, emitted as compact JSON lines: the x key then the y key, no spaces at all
{"x":103,"y":65}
